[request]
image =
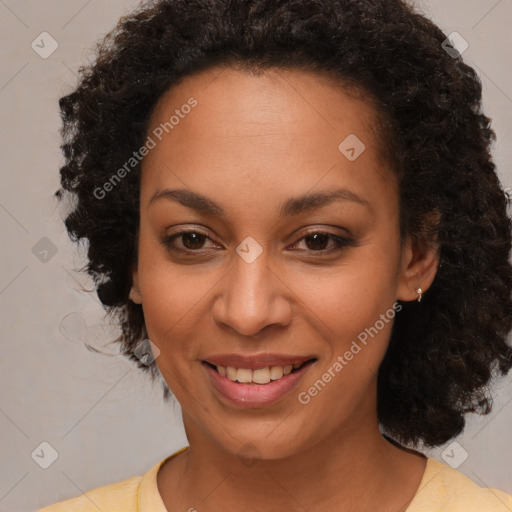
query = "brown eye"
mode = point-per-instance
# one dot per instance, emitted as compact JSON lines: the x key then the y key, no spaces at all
{"x":318,"y":241}
{"x":191,"y":241}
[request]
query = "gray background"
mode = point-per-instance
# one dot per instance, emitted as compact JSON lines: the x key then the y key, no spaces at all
{"x":100,"y":414}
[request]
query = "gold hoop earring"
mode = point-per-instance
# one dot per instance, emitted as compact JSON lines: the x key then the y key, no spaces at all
{"x":419,"y":292}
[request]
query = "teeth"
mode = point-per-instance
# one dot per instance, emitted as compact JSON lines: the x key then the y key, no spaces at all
{"x":276,"y":372}
{"x":259,"y":376}
{"x":244,"y":375}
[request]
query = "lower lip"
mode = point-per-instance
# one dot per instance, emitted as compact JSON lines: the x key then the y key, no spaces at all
{"x":255,"y":395}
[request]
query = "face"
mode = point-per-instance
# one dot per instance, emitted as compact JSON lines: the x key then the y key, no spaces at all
{"x":291,"y":256}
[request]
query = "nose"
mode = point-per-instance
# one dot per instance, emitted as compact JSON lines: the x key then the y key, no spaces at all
{"x":251,"y":297}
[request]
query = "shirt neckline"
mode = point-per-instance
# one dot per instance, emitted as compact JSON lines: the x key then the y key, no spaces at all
{"x":432,"y":468}
{"x":148,"y":495}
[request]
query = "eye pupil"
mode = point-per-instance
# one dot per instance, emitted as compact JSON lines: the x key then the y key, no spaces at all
{"x":316,"y":237}
{"x":315,"y":241}
{"x":197,"y":239}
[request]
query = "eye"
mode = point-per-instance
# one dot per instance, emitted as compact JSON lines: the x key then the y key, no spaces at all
{"x":316,"y":241}
{"x":191,"y":241}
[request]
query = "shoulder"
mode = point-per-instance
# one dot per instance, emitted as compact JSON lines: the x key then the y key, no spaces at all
{"x":130,"y":495}
{"x":114,"y":497}
{"x":446,"y":489}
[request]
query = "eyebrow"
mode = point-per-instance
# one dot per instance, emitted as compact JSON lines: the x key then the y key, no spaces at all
{"x":292,"y":206}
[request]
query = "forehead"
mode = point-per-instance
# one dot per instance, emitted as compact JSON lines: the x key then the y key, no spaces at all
{"x":272,"y":98}
{"x":280,"y":128}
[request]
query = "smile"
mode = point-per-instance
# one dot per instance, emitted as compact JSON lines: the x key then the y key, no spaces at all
{"x":257,"y":376}
{"x":258,"y":386}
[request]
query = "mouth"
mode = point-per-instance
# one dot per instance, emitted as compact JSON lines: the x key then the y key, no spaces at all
{"x":255,"y":381}
{"x":259,"y":376}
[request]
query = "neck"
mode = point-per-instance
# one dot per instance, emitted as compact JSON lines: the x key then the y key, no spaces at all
{"x":353,"y":468}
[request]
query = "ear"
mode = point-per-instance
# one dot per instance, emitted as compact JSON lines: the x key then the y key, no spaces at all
{"x":419,"y":264}
{"x":135,"y":294}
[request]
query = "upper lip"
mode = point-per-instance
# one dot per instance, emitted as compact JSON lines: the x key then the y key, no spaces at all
{"x":253,"y":362}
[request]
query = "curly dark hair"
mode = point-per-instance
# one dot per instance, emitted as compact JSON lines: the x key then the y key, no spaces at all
{"x":444,"y":351}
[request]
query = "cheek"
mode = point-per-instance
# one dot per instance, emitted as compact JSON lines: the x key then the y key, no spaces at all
{"x":174,"y":298}
{"x":354,"y":311}
{"x":357,"y":314}
{"x":351,"y":296}
{"x":176,"y":303}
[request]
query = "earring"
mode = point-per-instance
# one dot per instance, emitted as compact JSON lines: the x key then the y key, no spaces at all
{"x":418,"y":291}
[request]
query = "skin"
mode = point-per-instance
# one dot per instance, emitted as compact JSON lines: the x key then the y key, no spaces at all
{"x":251,"y":143}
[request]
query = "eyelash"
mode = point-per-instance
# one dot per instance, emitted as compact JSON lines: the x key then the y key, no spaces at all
{"x":341,"y":243}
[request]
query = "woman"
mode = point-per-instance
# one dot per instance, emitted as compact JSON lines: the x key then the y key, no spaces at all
{"x":295,"y":202}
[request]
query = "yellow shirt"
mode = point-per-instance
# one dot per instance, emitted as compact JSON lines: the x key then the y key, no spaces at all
{"x":442,"y":489}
